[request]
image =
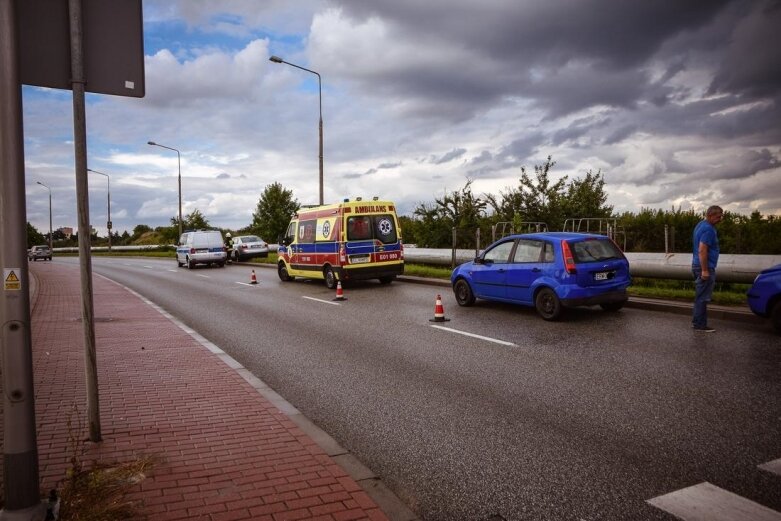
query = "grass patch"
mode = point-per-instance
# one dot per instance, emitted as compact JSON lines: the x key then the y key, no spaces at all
{"x":725,"y":293}
{"x":97,"y":492}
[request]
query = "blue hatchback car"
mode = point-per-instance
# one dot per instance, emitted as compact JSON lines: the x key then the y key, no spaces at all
{"x":764,"y":296}
{"x":550,"y":271}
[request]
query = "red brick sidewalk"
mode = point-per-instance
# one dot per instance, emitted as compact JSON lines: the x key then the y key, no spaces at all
{"x":225,"y":452}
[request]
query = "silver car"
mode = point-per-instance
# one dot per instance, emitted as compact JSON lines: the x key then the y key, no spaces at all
{"x":39,"y":252}
{"x":246,"y":247}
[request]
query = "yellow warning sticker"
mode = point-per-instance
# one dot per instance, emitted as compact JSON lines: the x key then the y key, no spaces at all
{"x":11,"y":281}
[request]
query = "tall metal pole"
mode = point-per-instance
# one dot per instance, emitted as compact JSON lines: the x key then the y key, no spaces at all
{"x":82,"y":204}
{"x":108,"y":221}
{"x":277,"y":59}
{"x":51,"y":237}
{"x":179,"y":163}
{"x":20,"y":446}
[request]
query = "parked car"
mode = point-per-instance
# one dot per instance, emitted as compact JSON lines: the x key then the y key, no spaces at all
{"x":246,"y":247}
{"x":201,"y":247}
{"x":550,"y":271}
{"x":39,"y":252}
{"x":764,"y":295}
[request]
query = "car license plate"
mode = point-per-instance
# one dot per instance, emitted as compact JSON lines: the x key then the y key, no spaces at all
{"x":602,"y":275}
{"x":355,"y":259}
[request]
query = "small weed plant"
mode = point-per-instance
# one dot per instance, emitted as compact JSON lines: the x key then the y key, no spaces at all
{"x":97,"y":492}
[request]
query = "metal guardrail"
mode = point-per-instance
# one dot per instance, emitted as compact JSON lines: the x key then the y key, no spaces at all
{"x":732,"y":268}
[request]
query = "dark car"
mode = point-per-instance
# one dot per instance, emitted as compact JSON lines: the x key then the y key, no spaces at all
{"x":39,"y":252}
{"x":550,"y":271}
{"x":764,"y":295}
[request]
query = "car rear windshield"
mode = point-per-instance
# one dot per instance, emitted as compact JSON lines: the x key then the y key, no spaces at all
{"x":366,"y":227}
{"x":251,"y":238}
{"x":595,"y":250}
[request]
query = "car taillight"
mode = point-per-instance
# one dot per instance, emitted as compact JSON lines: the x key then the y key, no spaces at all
{"x":192,"y":250}
{"x":342,"y":255}
{"x":569,"y":260}
{"x":243,"y":246}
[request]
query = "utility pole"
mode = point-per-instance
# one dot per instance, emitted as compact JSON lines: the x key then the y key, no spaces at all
{"x":20,"y":446}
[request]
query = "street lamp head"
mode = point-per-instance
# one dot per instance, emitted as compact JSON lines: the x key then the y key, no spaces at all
{"x":151,"y":143}
{"x":276,"y":59}
{"x":40,"y":183}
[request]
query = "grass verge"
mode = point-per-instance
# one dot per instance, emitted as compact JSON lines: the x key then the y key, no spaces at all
{"x":725,"y":294}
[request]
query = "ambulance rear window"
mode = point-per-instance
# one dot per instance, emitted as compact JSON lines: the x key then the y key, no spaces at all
{"x":367,"y":227}
{"x":359,"y":228}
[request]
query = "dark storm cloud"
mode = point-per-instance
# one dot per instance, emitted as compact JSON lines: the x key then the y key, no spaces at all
{"x":382,"y":166}
{"x":567,"y":55}
{"x":752,"y":62}
{"x":449,"y":156}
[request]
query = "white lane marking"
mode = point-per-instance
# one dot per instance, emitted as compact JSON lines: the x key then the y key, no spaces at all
{"x":148,"y":267}
{"x":772,"y":466}
{"x":323,"y":301}
{"x":204,"y":276}
{"x":173,"y":271}
{"x":707,"y":502}
{"x":486,"y":338}
{"x":245,"y":283}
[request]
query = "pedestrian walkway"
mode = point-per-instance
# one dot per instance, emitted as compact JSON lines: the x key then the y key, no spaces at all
{"x":224,"y":451}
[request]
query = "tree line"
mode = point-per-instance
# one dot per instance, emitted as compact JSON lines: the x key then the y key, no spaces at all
{"x":535,"y":202}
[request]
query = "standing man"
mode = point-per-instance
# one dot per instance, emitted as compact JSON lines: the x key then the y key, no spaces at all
{"x":705,"y":244}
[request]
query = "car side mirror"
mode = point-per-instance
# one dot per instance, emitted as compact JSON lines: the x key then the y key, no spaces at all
{"x":282,"y":240}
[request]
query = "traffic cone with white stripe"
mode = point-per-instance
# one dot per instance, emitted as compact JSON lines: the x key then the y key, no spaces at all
{"x":439,"y":311}
{"x":339,"y":292}
{"x":253,"y":279}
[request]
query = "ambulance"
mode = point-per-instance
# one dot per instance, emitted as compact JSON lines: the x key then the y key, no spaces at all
{"x":351,"y":240}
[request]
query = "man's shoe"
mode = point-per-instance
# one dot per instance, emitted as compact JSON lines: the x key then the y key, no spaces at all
{"x":706,"y":329}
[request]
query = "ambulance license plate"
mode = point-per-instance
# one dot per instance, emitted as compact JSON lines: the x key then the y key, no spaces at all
{"x":359,"y":259}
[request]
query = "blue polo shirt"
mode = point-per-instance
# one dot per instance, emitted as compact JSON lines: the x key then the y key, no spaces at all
{"x":705,"y":232}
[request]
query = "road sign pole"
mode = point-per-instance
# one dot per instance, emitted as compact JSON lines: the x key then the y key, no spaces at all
{"x":82,"y":203}
{"x":20,"y":448}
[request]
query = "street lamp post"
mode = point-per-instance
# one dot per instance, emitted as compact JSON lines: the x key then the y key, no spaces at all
{"x":108,"y":187}
{"x":51,"y":244}
{"x":277,"y":59}
{"x":179,"y":161}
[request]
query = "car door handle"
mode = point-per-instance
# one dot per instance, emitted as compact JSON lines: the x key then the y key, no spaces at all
{"x":500,"y":270}
{"x":536,"y":270}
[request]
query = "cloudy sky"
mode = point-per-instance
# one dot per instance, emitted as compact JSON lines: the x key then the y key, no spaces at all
{"x":677,"y":103}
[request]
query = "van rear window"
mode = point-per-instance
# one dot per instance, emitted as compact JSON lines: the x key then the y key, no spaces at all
{"x":368,"y":227}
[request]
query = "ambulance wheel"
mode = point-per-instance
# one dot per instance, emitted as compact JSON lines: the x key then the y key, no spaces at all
{"x":387,"y":280}
{"x":284,"y":276}
{"x":330,"y":278}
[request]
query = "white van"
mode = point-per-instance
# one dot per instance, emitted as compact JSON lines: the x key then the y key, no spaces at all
{"x":201,"y":247}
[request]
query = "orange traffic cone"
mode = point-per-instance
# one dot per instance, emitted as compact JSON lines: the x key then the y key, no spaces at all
{"x":253,"y":279}
{"x":439,"y":311}
{"x":339,"y":292}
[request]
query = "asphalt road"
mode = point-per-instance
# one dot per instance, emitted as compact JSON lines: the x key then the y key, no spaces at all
{"x":583,"y":419}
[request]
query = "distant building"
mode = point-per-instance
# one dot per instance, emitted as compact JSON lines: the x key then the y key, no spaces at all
{"x":66,"y":231}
